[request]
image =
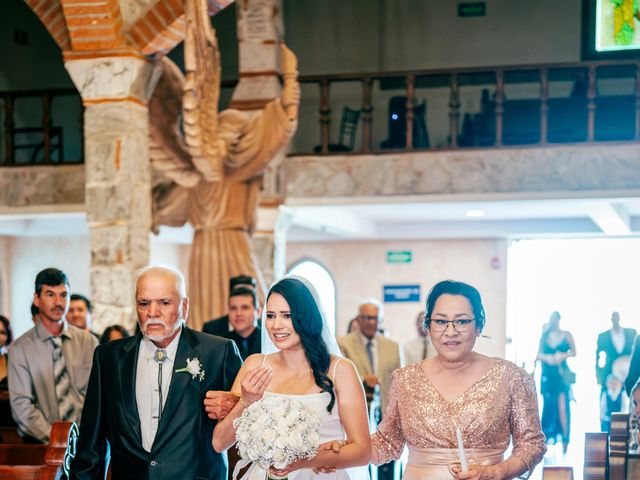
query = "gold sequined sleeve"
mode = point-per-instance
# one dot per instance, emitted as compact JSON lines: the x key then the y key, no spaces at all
{"x":528,"y":439}
{"x":389,"y":440}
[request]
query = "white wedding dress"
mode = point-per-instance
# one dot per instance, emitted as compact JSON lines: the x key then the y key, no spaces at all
{"x":330,"y":429}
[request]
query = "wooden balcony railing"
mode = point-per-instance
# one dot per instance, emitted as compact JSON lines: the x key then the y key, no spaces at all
{"x":33,"y":134}
{"x":577,"y":112}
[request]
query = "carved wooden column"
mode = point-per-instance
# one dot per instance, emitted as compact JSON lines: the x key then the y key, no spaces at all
{"x":115,"y":90}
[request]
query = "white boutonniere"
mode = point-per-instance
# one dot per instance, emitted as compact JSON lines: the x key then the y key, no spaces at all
{"x":194,"y":367}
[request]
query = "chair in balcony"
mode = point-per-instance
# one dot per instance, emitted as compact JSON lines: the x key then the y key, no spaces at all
{"x":348,"y":130}
{"x":397,"y":117}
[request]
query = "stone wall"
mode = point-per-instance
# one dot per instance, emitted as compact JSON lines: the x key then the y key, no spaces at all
{"x":43,"y":187}
{"x":563,"y":170}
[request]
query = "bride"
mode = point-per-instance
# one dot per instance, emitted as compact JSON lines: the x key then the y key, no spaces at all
{"x":305,"y":364}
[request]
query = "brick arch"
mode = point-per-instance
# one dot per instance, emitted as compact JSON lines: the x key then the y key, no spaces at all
{"x":93,"y":24}
{"x":161,"y":28}
{"x":52,"y":17}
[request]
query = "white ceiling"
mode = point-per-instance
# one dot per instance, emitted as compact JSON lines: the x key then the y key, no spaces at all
{"x":502,"y":219}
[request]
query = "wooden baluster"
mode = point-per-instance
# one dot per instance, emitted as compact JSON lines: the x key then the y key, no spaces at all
{"x":454,"y":110}
{"x":367,"y":114}
{"x":591,"y":104}
{"x":499,"y":105}
{"x":46,"y":127}
{"x":544,"y":105}
{"x":9,"y":124}
{"x":409,"y":109}
{"x":325,"y":115}
{"x":637,"y":136}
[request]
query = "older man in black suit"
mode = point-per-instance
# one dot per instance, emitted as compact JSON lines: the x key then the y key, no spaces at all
{"x":144,"y":406}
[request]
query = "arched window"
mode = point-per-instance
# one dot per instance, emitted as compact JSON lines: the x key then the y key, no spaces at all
{"x":322,"y":281}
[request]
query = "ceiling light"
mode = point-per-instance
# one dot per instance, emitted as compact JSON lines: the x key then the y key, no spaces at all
{"x":475,"y":213}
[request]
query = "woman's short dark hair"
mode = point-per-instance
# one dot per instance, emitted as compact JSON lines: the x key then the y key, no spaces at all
{"x":352,"y":322}
{"x":7,"y":327}
{"x":104,"y":338}
{"x":451,"y":287}
{"x":308,"y":324}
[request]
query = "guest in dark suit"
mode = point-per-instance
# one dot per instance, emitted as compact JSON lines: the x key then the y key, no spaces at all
{"x":612,"y":344}
{"x":220,"y":326}
{"x":144,"y":405}
{"x":243,"y":317}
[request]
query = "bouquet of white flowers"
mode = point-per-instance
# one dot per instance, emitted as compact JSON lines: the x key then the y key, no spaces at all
{"x":277,"y":431}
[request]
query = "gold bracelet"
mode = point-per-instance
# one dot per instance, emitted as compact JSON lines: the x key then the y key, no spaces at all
{"x":243,"y":403}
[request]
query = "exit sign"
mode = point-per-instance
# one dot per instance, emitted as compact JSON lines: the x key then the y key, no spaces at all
{"x":472,"y":9}
{"x":399,"y":256}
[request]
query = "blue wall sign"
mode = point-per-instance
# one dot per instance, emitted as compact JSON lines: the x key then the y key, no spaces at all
{"x":401,"y":293}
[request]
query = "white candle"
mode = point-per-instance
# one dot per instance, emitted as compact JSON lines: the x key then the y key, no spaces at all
{"x":463,"y":458}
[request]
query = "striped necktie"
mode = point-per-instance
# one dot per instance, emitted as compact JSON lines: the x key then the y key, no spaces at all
{"x":62,"y":381}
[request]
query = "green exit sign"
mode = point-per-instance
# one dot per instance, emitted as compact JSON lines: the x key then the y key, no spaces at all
{"x":399,"y":256}
{"x":472,"y":9}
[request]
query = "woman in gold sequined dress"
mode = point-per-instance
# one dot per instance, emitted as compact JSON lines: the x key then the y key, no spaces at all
{"x":490,"y":400}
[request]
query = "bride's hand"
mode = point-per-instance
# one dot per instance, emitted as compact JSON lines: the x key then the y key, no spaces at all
{"x":284,"y":472}
{"x":255,"y":383}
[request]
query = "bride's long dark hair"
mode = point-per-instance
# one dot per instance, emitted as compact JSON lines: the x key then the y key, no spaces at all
{"x":308,"y":324}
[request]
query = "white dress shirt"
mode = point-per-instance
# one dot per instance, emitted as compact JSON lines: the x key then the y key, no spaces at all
{"x":617,"y":338}
{"x":374,"y":349}
{"x":147,"y":397}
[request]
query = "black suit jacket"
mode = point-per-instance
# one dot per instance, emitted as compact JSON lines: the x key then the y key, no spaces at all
{"x":182,"y":447}
{"x":217,"y":326}
{"x":634,"y":367}
{"x":605,"y":345}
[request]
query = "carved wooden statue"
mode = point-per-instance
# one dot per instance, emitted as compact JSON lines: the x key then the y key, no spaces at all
{"x":209,"y":171}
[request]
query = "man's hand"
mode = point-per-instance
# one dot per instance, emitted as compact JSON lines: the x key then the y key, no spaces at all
{"x":370,"y":381}
{"x":218,"y":404}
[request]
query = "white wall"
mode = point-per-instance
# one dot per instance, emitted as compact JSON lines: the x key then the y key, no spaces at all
{"x":360,"y":270}
{"x":26,"y":256}
{"x":29,"y":255}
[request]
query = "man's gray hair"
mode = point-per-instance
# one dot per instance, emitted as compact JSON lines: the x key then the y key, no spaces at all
{"x":372,"y":301}
{"x":174,"y":272}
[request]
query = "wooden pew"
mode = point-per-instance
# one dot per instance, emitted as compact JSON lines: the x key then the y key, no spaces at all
{"x":557,"y":473}
{"x":623,"y":464}
{"x":596,"y":456}
{"x":40,"y":462}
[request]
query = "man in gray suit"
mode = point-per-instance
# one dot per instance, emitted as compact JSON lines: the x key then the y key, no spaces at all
{"x":375,"y":357}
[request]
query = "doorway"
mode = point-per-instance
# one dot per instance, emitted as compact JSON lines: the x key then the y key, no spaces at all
{"x":585,"y":280}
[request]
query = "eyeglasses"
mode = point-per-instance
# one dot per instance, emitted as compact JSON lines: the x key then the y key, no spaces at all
{"x":439,"y":325}
{"x":368,"y":318}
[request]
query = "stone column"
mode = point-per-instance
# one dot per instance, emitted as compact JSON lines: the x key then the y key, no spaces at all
{"x":270,"y":241}
{"x":115,"y":91}
{"x":260,"y":30}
